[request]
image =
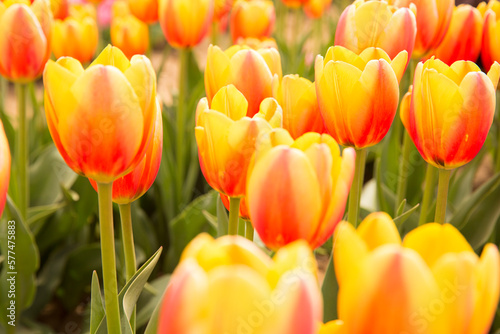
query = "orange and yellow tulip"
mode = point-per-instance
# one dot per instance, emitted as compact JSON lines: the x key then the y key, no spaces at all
{"x":449,"y":111}
{"x":24,"y":39}
{"x":490,"y":51}
{"x":251,"y":71}
{"x":128,"y":33}
{"x":132,"y":186}
{"x":4,"y":167}
{"x":252,"y":19}
{"x":297,"y":98}
{"x":185,"y":22}
{"x":60,"y":8}
{"x":371,"y":23}
{"x":222,"y":9}
{"x":229,"y":285}
{"x":463,"y":39}
{"x":226,"y":138}
{"x":298,"y":189}
{"x":433,"y":20}
{"x":77,"y":35}
{"x":144,"y":10}
{"x":101,"y":119}
{"x":315,"y":8}
{"x":389,"y":286}
{"x":295,"y":3}
{"x":358,"y":95}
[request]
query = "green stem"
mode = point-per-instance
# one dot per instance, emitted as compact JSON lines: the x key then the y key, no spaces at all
{"x":128,"y":247}
{"x":249,"y":230}
{"x":356,"y":187}
{"x":497,"y":162}
{"x":234,"y":214}
{"x":403,"y":171}
{"x":430,"y":185}
{"x":181,"y":121}
{"x":22,"y":151}
{"x":104,"y":191}
{"x":442,"y":196}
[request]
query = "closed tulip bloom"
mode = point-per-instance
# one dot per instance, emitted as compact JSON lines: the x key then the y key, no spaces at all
{"x":251,"y":71}
{"x":226,"y":138}
{"x":132,"y":186}
{"x":128,"y":33}
{"x":298,"y":189}
{"x":59,"y":8}
{"x":229,"y":285}
{"x":463,"y":39}
{"x":433,"y":20}
{"x":389,"y":286}
{"x":315,"y":8}
{"x":358,"y":95}
{"x":24,"y":39}
{"x":451,"y":111}
{"x":185,"y":22}
{"x":101,"y":119}
{"x":252,"y":19}
{"x":490,"y":51}
{"x":77,"y":35}
{"x":295,"y":3}
{"x":144,"y":10}
{"x":5,"y":160}
{"x":365,"y":24}
{"x":297,"y":97}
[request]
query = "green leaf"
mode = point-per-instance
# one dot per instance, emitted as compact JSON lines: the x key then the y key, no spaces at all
{"x":97,"y":312}
{"x":149,"y":300}
{"x":24,"y":253}
{"x":382,"y":203}
{"x":222,"y":218}
{"x":401,"y":208}
{"x":462,"y":181}
{"x":403,"y":217}
{"x":330,"y":289}
{"x":477,"y":215}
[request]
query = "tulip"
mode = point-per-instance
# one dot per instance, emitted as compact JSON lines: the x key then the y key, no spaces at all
{"x":222,"y":9}
{"x":128,"y":33}
{"x":77,"y":35}
{"x":389,"y":286}
{"x":251,"y":71}
{"x":450,"y":114}
{"x":298,"y":189}
{"x":229,"y":285}
{"x":252,"y":19}
{"x":144,"y":10}
{"x":59,"y":8}
{"x":433,"y":20}
{"x":185,"y":22}
{"x":315,"y":8}
{"x":490,"y":51}
{"x":256,"y":44}
{"x":297,"y":97}
{"x":4,"y":168}
{"x":24,"y":39}
{"x":295,"y":3}
{"x":463,"y":39}
{"x":332,"y":327}
{"x":365,"y":24}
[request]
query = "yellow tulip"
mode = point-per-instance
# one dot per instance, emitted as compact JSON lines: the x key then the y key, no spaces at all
{"x":388,"y":286}
{"x":358,"y":95}
{"x":252,"y":19}
{"x":229,"y":285}
{"x":128,"y":33}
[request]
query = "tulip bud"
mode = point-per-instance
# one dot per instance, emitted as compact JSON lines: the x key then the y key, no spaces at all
{"x":358,"y":95}
{"x":229,"y":285}
{"x":185,"y":22}
{"x":101,"y":118}
{"x":252,"y":19}
{"x":144,"y":10}
{"x":128,"y":33}
{"x":24,"y":39}
{"x":451,"y":111}
{"x":298,"y":189}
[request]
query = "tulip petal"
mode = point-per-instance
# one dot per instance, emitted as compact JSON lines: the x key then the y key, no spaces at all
{"x":114,"y":57}
{"x":231,"y":102}
{"x":378,"y":229}
{"x":217,"y":71}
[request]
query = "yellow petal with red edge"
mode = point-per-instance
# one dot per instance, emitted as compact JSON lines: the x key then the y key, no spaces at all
{"x":461,"y":68}
{"x":217,"y":71}
{"x":72,"y":65}
{"x":349,"y":250}
{"x":271,"y":111}
{"x":398,"y":64}
{"x":272,"y":59}
{"x":487,"y":289}
{"x":392,"y":283}
{"x":112,"y":56}
{"x":494,"y":74}
{"x":378,"y":229}
{"x":404,"y":109}
{"x":200,"y":107}
{"x":444,"y":238}
{"x":231,"y":102}
{"x":267,"y":140}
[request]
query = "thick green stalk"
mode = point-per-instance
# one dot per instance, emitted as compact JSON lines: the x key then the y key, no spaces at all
{"x":104,"y":191}
{"x":181,"y":121}
{"x":128,"y":247}
{"x":234,"y":214}
{"x":430,"y":185}
{"x":249,"y":230}
{"x":356,"y":187}
{"x":22,"y":151}
{"x":403,"y":171}
{"x":442,"y":196}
